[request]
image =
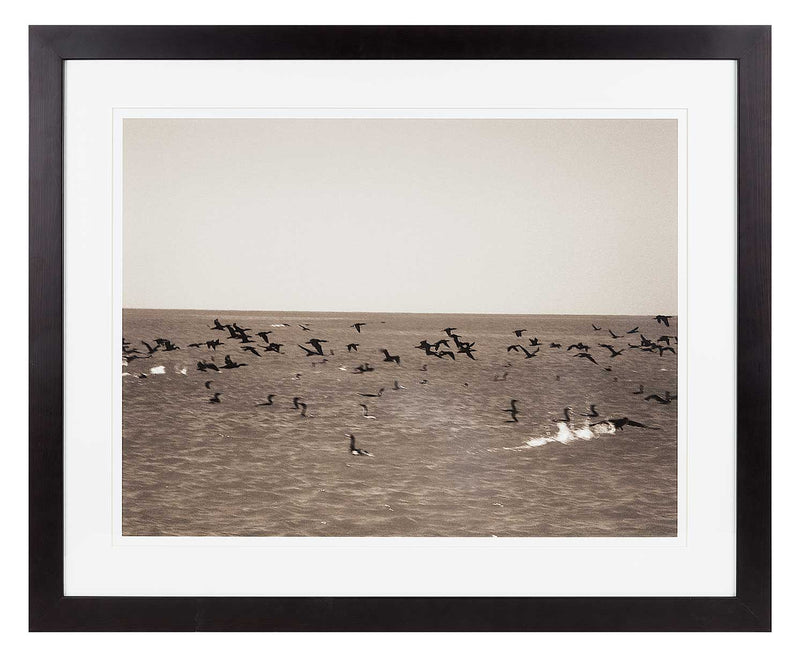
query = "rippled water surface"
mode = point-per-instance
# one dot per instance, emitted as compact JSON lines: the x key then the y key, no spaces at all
{"x":446,"y":461}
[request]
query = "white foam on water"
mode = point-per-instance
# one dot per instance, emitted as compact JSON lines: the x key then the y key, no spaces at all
{"x":158,"y":370}
{"x":567,"y":434}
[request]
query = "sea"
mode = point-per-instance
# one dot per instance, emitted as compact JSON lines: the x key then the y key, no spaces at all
{"x":445,"y":456}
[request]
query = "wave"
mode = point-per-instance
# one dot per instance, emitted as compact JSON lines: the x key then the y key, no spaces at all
{"x":566,"y":434}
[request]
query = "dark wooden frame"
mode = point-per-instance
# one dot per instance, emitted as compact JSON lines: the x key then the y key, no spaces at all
{"x":749,"y":609}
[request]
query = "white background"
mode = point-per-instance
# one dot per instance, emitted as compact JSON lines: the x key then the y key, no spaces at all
{"x":14,"y":263}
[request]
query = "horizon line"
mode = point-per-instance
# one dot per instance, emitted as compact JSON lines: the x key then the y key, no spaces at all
{"x":398,"y":312}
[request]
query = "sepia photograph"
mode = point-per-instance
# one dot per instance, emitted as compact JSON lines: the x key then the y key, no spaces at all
{"x":405,"y":327}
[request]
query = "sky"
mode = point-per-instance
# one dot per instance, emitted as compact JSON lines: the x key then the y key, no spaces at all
{"x":401,"y":215}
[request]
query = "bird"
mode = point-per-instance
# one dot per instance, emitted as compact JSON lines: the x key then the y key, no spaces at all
{"x":597,"y":328}
{"x":620,"y":422}
{"x":353,"y":346}
{"x":529,"y":354}
{"x":449,"y":330}
{"x":397,"y":386}
{"x":613,"y":335}
{"x":150,"y":350}
{"x":217,"y":326}
{"x":566,"y":417}
{"x":304,"y":327}
{"x":317,"y":344}
{"x":592,"y":411}
{"x":579,"y":346}
{"x":212,"y":344}
{"x":357,"y":326}
{"x":640,"y":391}
{"x":302,"y":408}
{"x":514,"y":411}
{"x":355,"y":451}
{"x":195,"y":344}
{"x":583,"y":354}
{"x":366,"y":367}
{"x":309,"y":352}
{"x":252,"y":350}
{"x":264,"y":335}
{"x":442,"y":354}
{"x":634,"y":330}
{"x":663,"y":319}
{"x":365,"y":412}
{"x":534,"y":342}
{"x":372,"y":394}
{"x":203,"y":366}
{"x":207,"y":384}
{"x":661,"y":350}
{"x":388,"y":358}
{"x":296,"y":402}
{"x":215,"y":398}
{"x":231,"y":364}
{"x":614,"y":352}
{"x":519,"y":332}
{"x":269,"y":401}
{"x":666,"y":399}
{"x":555,"y":345}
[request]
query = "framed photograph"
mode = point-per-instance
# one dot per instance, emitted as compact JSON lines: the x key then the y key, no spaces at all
{"x":400,"y":328}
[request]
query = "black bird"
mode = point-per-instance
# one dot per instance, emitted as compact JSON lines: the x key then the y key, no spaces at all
{"x":203,"y":366}
{"x":467,"y":349}
{"x":207,"y":384}
{"x":309,"y":352}
{"x":519,"y":332}
{"x":353,"y":346}
{"x":620,"y":422}
{"x":640,"y":391}
{"x":442,"y":354}
{"x":150,"y":350}
{"x":195,"y":344}
{"x":580,"y":347}
{"x":373,"y":394}
{"x":217,"y":326}
{"x":597,"y":328}
{"x":529,"y":354}
{"x":357,"y":326}
{"x":634,"y":330}
{"x":613,"y":335}
{"x":215,"y":398}
{"x":252,"y":350}
{"x":449,"y":330}
{"x":566,"y":417}
{"x":659,"y":399}
{"x":664,"y":338}
{"x":663,"y":319}
{"x":514,"y":411}
{"x":355,"y":451}
{"x":513,"y":347}
{"x":592,"y":411}
{"x":366,"y":367}
{"x":365,"y":412}
{"x":439,"y":343}
{"x":583,"y":354}
{"x":269,"y":401}
{"x":534,"y":342}
{"x":274,"y":346}
{"x":304,"y":327}
{"x":661,"y":350}
{"x":264,"y":335}
{"x":555,"y":345}
{"x":614,"y":352}
{"x":317,"y":344}
{"x":213,"y":344}
{"x":388,"y":358}
{"x":231,"y":364}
